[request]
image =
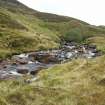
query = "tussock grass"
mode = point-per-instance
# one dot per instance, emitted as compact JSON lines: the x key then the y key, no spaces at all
{"x":74,"y":83}
{"x":79,"y":82}
{"x":23,"y":29}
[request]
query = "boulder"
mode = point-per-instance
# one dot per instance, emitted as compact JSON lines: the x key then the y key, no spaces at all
{"x":14,"y":63}
{"x":92,"y":46}
{"x":30,"y":62}
{"x":34,"y":72}
{"x":22,"y":61}
{"x":69,"y":55}
{"x":45,"y":58}
{"x":1,"y":61}
{"x":23,"y":56}
{"x":5,"y":66}
{"x":23,"y":70}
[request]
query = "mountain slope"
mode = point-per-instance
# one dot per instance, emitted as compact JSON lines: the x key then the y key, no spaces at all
{"x":80,"y":82}
{"x":23,"y":29}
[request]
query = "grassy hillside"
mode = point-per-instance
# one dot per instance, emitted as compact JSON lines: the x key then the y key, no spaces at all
{"x":23,"y":29}
{"x":78,"y":82}
{"x":73,"y":83}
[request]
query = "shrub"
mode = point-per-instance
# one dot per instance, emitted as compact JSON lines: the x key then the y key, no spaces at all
{"x":74,"y":35}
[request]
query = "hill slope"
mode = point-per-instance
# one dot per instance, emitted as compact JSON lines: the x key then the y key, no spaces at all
{"x":73,"y":83}
{"x":79,"y":82}
{"x":23,"y":29}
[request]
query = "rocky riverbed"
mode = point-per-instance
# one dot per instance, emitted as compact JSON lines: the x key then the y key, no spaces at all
{"x":31,"y":63}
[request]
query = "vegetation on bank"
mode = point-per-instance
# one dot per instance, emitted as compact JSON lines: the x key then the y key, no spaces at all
{"x":80,"y":82}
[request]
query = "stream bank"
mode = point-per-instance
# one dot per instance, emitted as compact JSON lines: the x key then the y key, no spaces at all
{"x":31,"y":63}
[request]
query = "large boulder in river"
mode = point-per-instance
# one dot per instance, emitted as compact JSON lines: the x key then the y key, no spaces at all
{"x":22,"y":61}
{"x":23,"y":70}
{"x":20,"y":56}
{"x":45,"y":57}
{"x":69,"y":55}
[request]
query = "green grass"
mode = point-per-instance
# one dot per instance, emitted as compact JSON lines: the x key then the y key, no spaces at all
{"x":23,"y":29}
{"x":99,"y":41}
{"x":80,"y":82}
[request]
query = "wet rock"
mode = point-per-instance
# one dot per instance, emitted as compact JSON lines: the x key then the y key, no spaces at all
{"x":22,"y":56}
{"x":34,"y":72}
{"x":86,"y":46}
{"x":14,"y":73}
{"x":5,"y":75}
{"x":14,"y":63}
{"x":31,"y":55}
{"x":91,"y":53}
{"x":69,"y":55}
{"x":95,"y":51}
{"x":68,"y":47}
{"x":23,"y":70}
{"x":45,"y":58}
{"x":22,"y":61}
{"x":1,"y":61}
{"x":30,"y":62}
{"x":5,"y":66}
{"x":92,"y":46}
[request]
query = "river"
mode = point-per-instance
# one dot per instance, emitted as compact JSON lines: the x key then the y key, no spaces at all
{"x":31,"y":63}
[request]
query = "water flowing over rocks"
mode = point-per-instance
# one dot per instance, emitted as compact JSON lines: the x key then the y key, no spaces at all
{"x":31,"y":63}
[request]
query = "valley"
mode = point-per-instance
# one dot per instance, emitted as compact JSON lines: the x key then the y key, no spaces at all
{"x":49,"y":59}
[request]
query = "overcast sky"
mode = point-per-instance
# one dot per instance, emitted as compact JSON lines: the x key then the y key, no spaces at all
{"x":91,"y":11}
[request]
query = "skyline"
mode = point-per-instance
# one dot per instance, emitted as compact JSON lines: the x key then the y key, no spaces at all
{"x":91,"y":11}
